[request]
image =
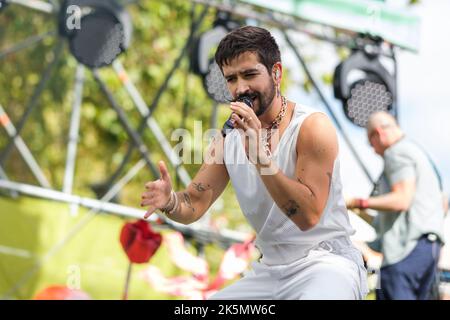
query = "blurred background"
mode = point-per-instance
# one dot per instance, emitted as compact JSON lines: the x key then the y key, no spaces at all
{"x":88,"y":112}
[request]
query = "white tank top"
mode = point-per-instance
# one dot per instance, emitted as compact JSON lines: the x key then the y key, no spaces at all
{"x":278,"y":238}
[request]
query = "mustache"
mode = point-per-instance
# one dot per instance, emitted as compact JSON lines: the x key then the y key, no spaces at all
{"x":245,"y":95}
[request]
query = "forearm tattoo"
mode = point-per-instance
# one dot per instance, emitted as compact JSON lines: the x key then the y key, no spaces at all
{"x":187,"y":201}
{"x":200,"y":187}
{"x":291,"y":208}
{"x":184,"y":197}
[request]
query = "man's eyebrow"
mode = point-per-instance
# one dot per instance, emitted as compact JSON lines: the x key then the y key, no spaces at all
{"x":249,"y":70}
{"x":229,"y":75}
{"x":242,"y":72}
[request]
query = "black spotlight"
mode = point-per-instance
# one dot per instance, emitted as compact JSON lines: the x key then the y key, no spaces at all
{"x":202,"y":57}
{"x":104,"y":31}
{"x":364,"y":86}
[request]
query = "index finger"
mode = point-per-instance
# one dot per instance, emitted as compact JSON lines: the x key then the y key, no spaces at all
{"x":241,"y":113}
{"x":149,"y":212}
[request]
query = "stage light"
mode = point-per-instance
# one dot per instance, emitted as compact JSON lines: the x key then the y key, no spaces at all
{"x":364,"y":86}
{"x":202,"y":58}
{"x":367,"y":97}
{"x":216,"y":85}
{"x":104,"y":32}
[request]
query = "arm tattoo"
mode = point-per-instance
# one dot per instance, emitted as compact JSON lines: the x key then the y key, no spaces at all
{"x":291,"y":208}
{"x":184,"y":197}
{"x":200,"y":187}
{"x":187,"y":201}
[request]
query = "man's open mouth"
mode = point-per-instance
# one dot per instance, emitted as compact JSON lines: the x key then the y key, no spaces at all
{"x":253,"y":98}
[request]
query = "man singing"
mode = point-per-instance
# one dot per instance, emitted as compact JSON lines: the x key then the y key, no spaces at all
{"x":282,"y":160}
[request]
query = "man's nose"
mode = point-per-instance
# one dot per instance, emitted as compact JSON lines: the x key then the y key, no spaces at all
{"x":242,"y":88}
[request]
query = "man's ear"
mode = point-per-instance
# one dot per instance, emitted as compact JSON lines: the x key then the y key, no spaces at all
{"x":277,"y":72}
{"x":381,"y":133}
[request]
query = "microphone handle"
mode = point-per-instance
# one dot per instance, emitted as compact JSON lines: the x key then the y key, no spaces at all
{"x":228,"y":126}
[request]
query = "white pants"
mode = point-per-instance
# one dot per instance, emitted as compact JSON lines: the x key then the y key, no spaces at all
{"x":320,"y":275}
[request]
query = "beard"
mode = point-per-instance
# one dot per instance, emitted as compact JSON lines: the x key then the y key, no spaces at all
{"x":265,"y":98}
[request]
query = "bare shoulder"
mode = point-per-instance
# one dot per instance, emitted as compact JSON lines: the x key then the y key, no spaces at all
{"x":317,"y":136}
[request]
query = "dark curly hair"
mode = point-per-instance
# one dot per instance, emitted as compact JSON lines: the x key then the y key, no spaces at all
{"x":248,"y":38}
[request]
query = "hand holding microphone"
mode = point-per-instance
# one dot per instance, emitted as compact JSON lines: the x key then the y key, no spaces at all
{"x":245,"y":119}
{"x":229,"y":123}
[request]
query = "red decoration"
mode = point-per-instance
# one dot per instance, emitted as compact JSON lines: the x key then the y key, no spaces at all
{"x":61,"y":293}
{"x":139,"y":241}
{"x":140,"y":244}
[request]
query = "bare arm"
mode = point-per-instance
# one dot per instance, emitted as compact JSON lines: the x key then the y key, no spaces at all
{"x":304,"y":199}
{"x":399,"y":199}
{"x":205,"y":188}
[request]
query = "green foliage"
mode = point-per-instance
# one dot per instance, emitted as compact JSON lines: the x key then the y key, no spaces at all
{"x":160,"y":31}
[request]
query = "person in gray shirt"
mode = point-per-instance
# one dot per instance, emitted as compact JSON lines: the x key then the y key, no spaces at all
{"x":410,"y":209}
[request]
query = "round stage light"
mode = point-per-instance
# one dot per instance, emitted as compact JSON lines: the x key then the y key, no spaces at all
{"x":216,"y":85}
{"x":367,"y":97}
{"x":372,"y":90}
{"x":104,"y":33}
{"x":99,"y":41}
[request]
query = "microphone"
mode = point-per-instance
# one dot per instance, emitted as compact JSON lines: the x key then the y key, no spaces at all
{"x":228,"y":125}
